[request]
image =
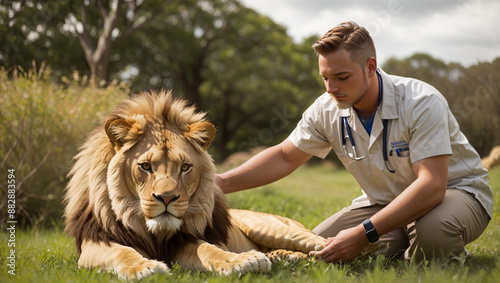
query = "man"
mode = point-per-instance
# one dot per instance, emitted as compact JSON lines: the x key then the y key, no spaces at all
{"x":425,"y":193}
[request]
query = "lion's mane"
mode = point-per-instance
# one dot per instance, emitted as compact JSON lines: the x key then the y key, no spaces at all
{"x":96,"y":212}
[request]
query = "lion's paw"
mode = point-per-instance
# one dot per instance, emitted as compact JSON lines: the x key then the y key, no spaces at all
{"x":315,"y":244}
{"x":289,"y":256}
{"x":319,"y":246}
{"x":142,"y":269}
{"x":242,"y":263}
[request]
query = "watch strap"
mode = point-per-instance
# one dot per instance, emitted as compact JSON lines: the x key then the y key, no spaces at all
{"x":370,"y":231}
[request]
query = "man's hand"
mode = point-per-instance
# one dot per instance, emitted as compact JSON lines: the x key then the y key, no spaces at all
{"x":346,"y":246}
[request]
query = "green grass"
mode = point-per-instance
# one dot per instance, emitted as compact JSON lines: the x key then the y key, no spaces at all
{"x":309,"y":195}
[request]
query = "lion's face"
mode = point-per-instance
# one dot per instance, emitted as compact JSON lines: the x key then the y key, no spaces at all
{"x":164,"y":173}
{"x":161,"y":167}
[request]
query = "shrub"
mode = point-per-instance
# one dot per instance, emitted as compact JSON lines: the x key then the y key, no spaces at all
{"x":42,"y":124}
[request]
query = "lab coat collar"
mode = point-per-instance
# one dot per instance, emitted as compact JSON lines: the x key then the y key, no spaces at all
{"x":388,"y":109}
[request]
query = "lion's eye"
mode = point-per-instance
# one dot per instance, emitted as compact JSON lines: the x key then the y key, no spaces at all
{"x":146,"y":167}
{"x":185,"y":167}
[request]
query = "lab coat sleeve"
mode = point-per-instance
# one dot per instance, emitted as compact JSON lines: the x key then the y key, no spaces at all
{"x":309,"y":134}
{"x":429,"y":128}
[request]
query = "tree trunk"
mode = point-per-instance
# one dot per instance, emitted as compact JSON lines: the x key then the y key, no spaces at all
{"x":222,"y":152}
{"x":192,"y":79}
{"x":98,"y":58}
{"x":101,"y":71}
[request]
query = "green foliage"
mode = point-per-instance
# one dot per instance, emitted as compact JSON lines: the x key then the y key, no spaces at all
{"x":240,"y":66}
{"x":259,"y":102}
{"x":225,"y":58}
{"x":42,"y":124}
{"x":31,"y":30}
{"x":49,"y":256}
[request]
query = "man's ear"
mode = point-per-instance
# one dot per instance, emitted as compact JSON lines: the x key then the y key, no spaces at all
{"x":203,"y":133}
{"x":123,"y":130}
{"x":371,"y":66}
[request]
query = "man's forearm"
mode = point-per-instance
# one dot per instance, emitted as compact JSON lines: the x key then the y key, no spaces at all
{"x":419,"y":198}
{"x":266,"y":167}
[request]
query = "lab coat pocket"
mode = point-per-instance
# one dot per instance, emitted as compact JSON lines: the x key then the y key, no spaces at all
{"x":404,"y":170}
{"x":402,"y":152}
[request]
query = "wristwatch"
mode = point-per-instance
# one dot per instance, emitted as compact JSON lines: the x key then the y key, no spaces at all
{"x":370,"y":231}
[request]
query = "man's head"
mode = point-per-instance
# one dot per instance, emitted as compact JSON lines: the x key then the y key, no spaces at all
{"x":349,"y":36}
{"x":347,"y":63}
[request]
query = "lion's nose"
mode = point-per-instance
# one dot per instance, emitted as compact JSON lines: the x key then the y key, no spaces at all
{"x":166,"y":199}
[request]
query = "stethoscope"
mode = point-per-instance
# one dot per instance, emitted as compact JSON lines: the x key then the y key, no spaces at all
{"x":353,"y":155}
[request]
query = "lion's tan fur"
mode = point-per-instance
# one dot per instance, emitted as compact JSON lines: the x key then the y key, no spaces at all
{"x":132,"y":221}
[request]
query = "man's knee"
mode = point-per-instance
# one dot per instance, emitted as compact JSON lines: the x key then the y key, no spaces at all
{"x":332,"y":225}
{"x":436,"y":238}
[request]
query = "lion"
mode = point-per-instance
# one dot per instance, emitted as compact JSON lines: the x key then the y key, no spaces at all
{"x":142,"y":196}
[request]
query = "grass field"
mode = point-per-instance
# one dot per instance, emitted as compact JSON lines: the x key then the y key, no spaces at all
{"x":309,"y":195}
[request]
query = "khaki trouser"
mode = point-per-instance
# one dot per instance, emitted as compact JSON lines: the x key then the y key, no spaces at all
{"x":440,"y":234}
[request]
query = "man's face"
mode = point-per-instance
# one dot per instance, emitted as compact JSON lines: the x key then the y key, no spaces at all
{"x":344,"y":79}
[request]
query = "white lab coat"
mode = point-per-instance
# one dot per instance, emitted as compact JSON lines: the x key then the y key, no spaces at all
{"x":420,"y":125}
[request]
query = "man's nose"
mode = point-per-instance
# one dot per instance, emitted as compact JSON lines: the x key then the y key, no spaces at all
{"x":331,"y":87}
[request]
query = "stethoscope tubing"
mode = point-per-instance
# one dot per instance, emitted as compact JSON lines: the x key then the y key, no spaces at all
{"x":345,"y":124}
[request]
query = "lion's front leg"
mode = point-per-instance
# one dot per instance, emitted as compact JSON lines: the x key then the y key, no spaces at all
{"x":276,"y":232}
{"x":125,"y":261}
{"x":208,"y":257}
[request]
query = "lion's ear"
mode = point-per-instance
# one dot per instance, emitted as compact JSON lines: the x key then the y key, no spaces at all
{"x":123,"y":130}
{"x":203,"y":133}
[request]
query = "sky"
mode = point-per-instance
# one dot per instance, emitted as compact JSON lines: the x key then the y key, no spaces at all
{"x":461,"y":31}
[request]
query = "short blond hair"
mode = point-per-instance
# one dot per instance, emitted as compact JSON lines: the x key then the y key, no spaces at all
{"x":354,"y":39}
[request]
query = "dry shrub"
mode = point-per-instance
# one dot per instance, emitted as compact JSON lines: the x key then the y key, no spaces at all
{"x":42,"y":124}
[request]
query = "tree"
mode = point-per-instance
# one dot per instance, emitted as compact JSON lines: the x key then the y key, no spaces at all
{"x":66,"y":34}
{"x":260,"y":102}
{"x":30,"y":31}
{"x":119,"y":20}
{"x":238,"y":65}
{"x":175,"y":49}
